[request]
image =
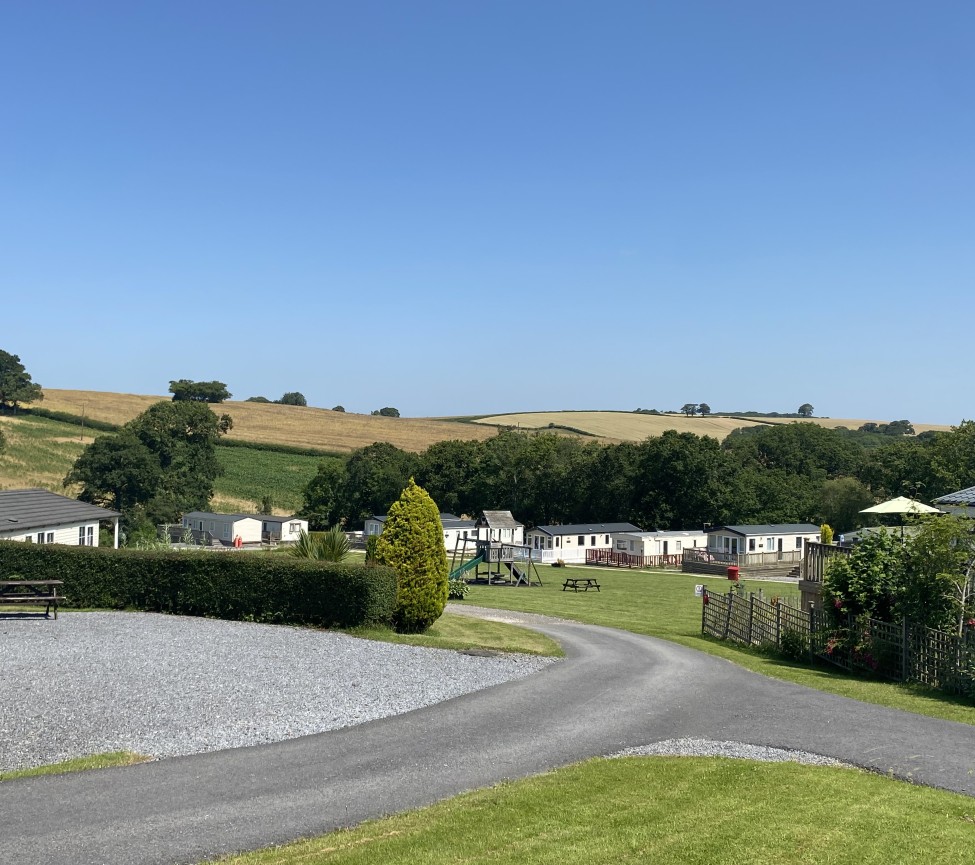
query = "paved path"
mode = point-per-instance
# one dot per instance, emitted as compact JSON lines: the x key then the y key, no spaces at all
{"x":614,"y":690}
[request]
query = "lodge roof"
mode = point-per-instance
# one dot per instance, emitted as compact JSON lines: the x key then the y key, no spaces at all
{"x":34,"y":508}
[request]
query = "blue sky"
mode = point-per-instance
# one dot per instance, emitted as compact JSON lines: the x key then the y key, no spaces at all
{"x":470,"y":207}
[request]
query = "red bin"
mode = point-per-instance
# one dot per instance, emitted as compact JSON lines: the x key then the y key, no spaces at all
{"x":732,"y":572}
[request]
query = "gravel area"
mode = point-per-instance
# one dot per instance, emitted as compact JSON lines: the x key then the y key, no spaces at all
{"x":739,"y":750}
{"x":168,"y":685}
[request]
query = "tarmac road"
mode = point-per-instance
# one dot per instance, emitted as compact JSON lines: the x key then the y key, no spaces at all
{"x":614,"y":690}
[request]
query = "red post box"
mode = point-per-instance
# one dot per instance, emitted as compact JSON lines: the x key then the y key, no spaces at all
{"x":732,"y":572}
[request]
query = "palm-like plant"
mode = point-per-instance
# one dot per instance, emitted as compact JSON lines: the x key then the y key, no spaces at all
{"x":330,"y":546}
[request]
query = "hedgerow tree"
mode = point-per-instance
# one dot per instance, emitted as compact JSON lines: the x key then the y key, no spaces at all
{"x":185,"y":390}
{"x":15,"y":384}
{"x":412,"y":544}
{"x":293,"y":397}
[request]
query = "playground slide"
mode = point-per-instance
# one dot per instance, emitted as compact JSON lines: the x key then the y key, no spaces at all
{"x":467,"y":566}
{"x":519,"y":575}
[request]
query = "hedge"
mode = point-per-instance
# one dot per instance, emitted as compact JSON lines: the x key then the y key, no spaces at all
{"x":231,"y":585}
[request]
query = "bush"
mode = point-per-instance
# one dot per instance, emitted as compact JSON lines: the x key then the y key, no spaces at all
{"x":412,"y":544}
{"x":252,"y":586}
{"x":794,"y":645}
{"x":457,"y":589}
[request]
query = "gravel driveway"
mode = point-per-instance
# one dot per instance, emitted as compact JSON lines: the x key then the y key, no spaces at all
{"x":167,"y":685}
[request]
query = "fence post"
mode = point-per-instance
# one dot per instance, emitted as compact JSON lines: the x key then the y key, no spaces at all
{"x":704,"y":607}
{"x":727,"y":618}
{"x":905,"y":650}
{"x":751,"y":616}
{"x":812,"y":631}
{"x":778,"y":624}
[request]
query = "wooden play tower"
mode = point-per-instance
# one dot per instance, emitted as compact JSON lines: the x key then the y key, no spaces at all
{"x":492,"y":557}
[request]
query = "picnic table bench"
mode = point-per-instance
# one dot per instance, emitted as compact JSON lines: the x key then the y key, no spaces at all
{"x":578,"y":584}
{"x":35,"y":592}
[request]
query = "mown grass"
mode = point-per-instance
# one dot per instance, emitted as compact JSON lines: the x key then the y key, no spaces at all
{"x":79,"y":764}
{"x":687,"y":811}
{"x":663,"y":604}
{"x":451,"y":631}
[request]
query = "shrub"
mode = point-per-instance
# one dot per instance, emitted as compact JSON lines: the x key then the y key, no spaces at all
{"x":371,"y":542}
{"x":457,"y":589}
{"x":412,"y":544}
{"x":825,"y":534}
{"x":251,"y":586}
{"x":328,"y":546}
{"x":794,"y":645}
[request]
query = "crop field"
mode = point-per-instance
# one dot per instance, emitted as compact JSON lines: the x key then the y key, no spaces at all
{"x":628,"y":426}
{"x":300,"y":426}
{"x":40,"y":452}
{"x":854,"y":423}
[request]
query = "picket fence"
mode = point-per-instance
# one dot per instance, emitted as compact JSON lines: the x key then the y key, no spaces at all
{"x":899,"y":651}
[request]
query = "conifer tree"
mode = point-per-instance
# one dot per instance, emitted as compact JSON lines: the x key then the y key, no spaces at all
{"x":412,"y":543}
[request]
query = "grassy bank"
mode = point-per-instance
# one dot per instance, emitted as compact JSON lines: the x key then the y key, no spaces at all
{"x":79,"y":764}
{"x":663,"y":604}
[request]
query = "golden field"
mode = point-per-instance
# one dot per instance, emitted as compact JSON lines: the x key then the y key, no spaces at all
{"x":281,"y":424}
{"x":628,"y":426}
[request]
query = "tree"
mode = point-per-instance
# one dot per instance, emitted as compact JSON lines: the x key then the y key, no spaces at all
{"x":704,"y":408}
{"x":374,"y":477}
{"x":257,"y":399}
{"x":266,"y":505}
{"x":898,"y":428}
{"x":388,"y":411}
{"x":412,"y":544}
{"x":293,"y":398}
{"x":805,"y":410}
{"x":323,"y":494}
{"x":185,"y":390}
{"x":825,"y":534}
{"x":339,"y":408}
{"x":689,"y":408}
{"x":15,"y":384}
{"x":840,"y":501}
{"x":160,"y":464}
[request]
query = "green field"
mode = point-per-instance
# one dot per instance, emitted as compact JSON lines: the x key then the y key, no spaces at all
{"x":663,"y":604}
{"x":40,"y":452}
{"x":682,"y":810}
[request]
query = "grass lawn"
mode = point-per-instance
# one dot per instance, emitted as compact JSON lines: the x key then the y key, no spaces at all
{"x":462,"y":632}
{"x":663,"y":604}
{"x":664,"y":810}
{"x":80,"y":764}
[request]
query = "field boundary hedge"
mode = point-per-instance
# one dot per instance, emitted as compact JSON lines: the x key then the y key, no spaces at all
{"x":248,"y":586}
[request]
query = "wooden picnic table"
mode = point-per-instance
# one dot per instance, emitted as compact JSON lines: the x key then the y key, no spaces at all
{"x":580,"y":584}
{"x":32,"y":592}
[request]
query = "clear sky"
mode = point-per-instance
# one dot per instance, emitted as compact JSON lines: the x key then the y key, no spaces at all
{"x":473,"y":206}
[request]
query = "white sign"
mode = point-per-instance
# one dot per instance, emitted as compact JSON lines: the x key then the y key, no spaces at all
{"x":698,"y":591}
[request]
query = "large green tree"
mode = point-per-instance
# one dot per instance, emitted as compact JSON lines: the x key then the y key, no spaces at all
{"x":374,"y":477}
{"x":412,"y":543}
{"x":15,"y":383}
{"x":185,"y":390}
{"x":161,"y":464}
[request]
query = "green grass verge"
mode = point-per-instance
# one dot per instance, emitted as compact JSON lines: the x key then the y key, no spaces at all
{"x":80,"y":764}
{"x":666,"y":810}
{"x":662,"y":604}
{"x":462,"y":632}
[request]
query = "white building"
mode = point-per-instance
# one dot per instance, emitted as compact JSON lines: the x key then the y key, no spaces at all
{"x":648,"y":544}
{"x":225,"y":529}
{"x":784,"y":540}
{"x":570,"y":542}
{"x":42,"y":517}
{"x":455,"y":529}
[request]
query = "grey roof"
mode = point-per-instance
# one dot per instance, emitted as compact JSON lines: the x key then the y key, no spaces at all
{"x":962,"y":497}
{"x":448,"y":521}
{"x":499,"y":520}
{"x":211,"y":515}
{"x":779,"y":529}
{"x":587,"y":528}
{"x":32,"y":509}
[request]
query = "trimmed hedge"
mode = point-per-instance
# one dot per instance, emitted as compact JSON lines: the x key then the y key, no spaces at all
{"x":249,"y":586}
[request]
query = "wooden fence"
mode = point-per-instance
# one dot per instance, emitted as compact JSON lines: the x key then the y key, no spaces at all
{"x":629,"y":560}
{"x":899,"y":651}
{"x":742,"y":560}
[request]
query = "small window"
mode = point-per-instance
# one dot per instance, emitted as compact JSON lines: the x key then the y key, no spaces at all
{"x":751,"y":545}
{"x":50,"y":537}
{"x":605,"y":539}
{"x":558,"y":542}
{"x":621,"y":545}
{"x":678,"y":545}
{"x":550,"y":543}
{"x":799,"y":543}
{"x":91,"y":536}
{"x":40,"y":537}
{"x":581,"y":540}
{"x":296,"y":527}
{"x":81,"y":536}
{"x":592,"y":541}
